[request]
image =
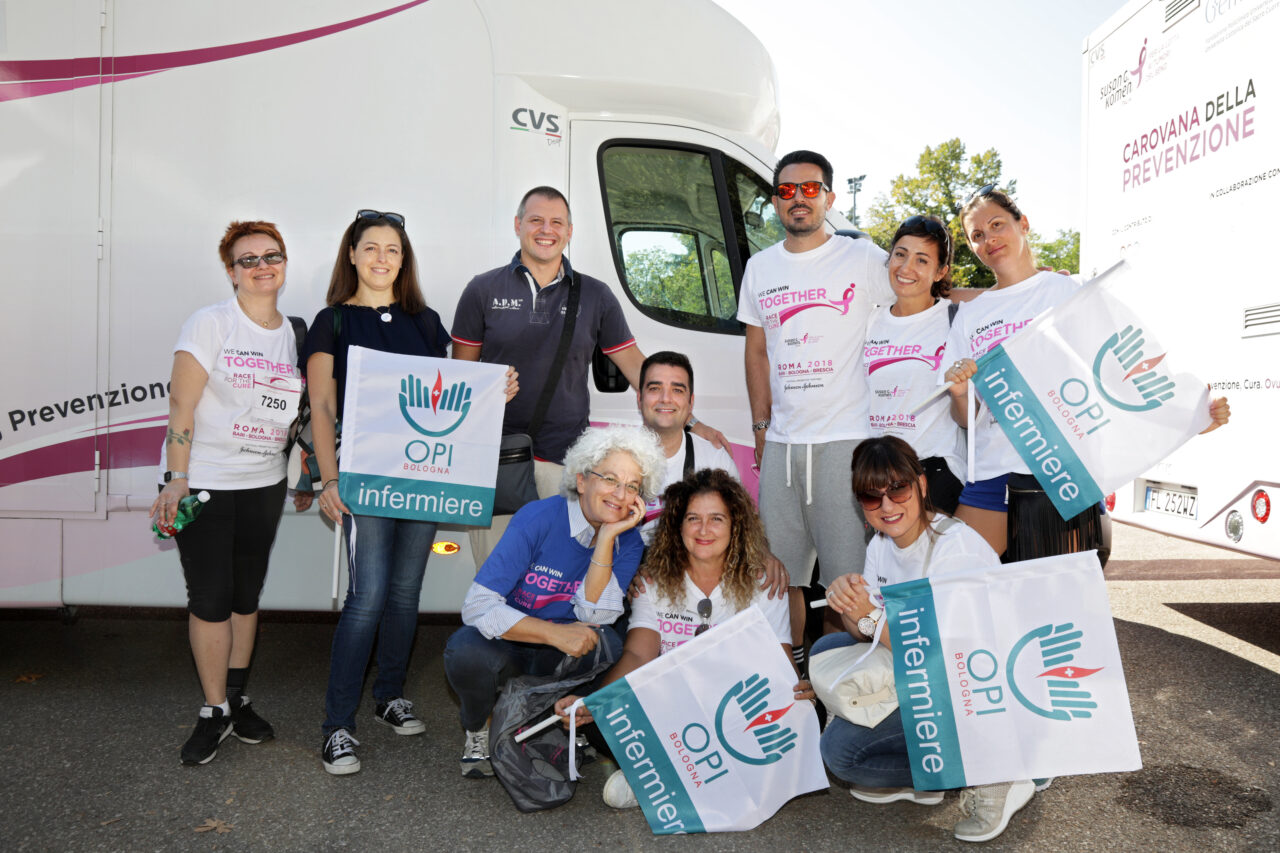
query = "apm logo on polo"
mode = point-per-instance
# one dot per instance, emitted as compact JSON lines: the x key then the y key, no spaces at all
{"x":434,"y":411}
{"x":747,"y":723}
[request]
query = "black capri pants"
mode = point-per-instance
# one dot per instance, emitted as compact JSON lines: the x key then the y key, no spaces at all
{"x":224,"y":552}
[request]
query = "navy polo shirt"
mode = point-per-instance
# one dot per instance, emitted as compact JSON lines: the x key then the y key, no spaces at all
{"x":514,"y":322}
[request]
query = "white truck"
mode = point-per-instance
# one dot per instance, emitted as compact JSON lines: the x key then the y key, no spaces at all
{"x":132,"y":131}
{"x":1181,"y":147}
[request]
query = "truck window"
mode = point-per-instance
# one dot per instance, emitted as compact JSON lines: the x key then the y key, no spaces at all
{"x":683,"y":221}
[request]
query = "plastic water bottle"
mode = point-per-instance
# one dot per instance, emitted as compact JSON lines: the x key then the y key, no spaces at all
{"x":188,"y":509}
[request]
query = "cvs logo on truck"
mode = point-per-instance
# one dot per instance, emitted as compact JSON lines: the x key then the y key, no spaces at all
{"x":527,"y":119}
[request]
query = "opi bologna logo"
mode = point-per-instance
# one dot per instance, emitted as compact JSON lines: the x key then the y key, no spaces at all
{"x":434,"y":411}
{"x":747,"y":723}
{"x":1059,"y":696}
{"x":1122,"y":364}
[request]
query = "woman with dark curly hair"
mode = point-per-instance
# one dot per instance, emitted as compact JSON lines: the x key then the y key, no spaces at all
{"x":702,"y":569}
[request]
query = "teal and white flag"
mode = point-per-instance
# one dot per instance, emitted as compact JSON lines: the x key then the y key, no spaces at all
{"x":1088,"y":397}
{"x":710,"y":735}
{"x":1010,"y":673}
{"x":420,"y":437}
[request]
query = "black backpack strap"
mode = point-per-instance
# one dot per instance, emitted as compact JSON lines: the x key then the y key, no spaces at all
{"x":688,"y":453}
{"x":562,"y":353}
{"x":951,"y":313}
{"x":300,"y":335}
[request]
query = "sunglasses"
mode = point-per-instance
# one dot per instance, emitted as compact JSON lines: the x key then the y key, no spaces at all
{"x":809,"y":189}
{"x":374,"y":215}
{"x":930,"y":226}
{"x":251,"y":261}
{"x":704,"y":613}
{"x":981,"y":192}
{"x":899,"y":493}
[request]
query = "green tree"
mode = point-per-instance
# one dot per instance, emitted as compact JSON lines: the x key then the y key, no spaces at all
{"x":666,"y":279}
{"x":946,"y":177}
{"x":1061,"y":253}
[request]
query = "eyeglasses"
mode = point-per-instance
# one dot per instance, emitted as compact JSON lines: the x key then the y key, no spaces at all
{"x":980,"y":192}
{"x":374,"y":215}
{"x":704,"y":613}
{"x":613,"y":484}
{"x":809,"y":189}
{"x":899,"y":493}
{"x":251,"y":261}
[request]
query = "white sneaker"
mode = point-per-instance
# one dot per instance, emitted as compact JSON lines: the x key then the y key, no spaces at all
{"x":475,"y":755}
{"x":618,"y":793}
{"x":989,"y":807}
{"x":890,"y":795}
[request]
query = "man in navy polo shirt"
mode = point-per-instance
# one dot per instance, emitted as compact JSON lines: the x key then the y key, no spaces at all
{"x":514,"y":315}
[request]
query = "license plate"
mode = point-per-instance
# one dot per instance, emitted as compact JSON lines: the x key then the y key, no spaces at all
{"x":1171,"y":502}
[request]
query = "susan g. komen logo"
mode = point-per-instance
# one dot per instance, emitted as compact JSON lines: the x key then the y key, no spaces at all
{"x":1126,"y":376}
{"x":434,"y":410}
{"x":1058,"y":691}
{"x":748,"y":723}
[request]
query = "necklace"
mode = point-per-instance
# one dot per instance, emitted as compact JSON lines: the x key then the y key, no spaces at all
{"x":384,"y":313}
{"x":263,"y":323}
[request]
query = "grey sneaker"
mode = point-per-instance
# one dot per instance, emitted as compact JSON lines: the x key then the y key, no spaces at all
{"x":987,"y":808}
{"x":398,"y":714}
{"x":475,"y":755}
{"x":338,"y":754}
{"x":618,"y":793}
{"x":892,"y":795}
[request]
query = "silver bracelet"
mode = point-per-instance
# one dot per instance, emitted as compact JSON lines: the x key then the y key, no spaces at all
{"x":598,"y":563}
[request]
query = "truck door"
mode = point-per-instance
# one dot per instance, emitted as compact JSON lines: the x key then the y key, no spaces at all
{"x":49,"y":249}
{"x":668,"y":216}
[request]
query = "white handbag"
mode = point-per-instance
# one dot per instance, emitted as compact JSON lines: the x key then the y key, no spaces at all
{"x":856,"y":682}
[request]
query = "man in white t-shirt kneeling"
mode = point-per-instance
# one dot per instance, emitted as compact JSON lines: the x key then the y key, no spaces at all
{"x":665,"y":401}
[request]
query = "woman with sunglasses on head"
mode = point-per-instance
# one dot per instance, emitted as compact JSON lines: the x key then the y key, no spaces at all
{"x":374,"y":301}
{"x":224,"y":552}
{"x":553,"y":585}
{"x":912,"y":539}
{"x":1001,"y":499}
{"x":903,"y":354}
{"x":701,"y":570}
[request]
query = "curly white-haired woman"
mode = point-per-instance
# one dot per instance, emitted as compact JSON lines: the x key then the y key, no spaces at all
{"x":561,"y":567}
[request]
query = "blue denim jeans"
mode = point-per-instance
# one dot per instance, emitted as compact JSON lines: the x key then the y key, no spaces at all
{"x":386,"y":558}
{"x":873,"y":758}
{"x":477,"y":667}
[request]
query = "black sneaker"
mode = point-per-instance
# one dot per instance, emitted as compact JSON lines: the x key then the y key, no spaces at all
{"x":398,"y":713}
{"x":338,"y":754}
{"x":202,"y":746}
{"x":247,"y":725}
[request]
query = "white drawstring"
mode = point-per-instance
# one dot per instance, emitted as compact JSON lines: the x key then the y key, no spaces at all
{"x":808,"y":475}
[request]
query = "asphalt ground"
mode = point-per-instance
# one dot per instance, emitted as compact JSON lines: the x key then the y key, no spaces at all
{"x":93,"y":715}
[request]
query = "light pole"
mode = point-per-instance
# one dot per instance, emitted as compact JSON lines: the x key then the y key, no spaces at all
{"x":855,"y":184}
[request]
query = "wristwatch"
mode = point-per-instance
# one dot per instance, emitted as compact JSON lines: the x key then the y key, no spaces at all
{"x":867,"y":624}
{"x":174,"y":475}
{"x":759,"y":425}
{"x":692,"y":422}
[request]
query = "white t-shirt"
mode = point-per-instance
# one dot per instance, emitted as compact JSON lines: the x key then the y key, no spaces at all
{"x":984,"y":322}
{"x":813,"y":307}
{"x":243,"y":417}
{"x":705,"y":455}
{"x":904,"y":357}
{"x":675,"y":622}
{"x":957,"y":549}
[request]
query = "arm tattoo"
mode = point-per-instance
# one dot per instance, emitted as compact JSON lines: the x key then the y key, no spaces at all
{"x":175,"y":438}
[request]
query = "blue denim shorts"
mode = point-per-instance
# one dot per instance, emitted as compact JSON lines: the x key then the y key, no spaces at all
{"x":990,"y":494}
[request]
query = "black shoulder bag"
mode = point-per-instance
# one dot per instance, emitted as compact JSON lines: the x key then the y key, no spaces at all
{"x":516,"y":486}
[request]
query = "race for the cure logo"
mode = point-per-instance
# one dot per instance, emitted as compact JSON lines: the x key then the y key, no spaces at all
{"x":803,"y":300}
{"x":747,"y":723}
{"x":1055,"y":693}
{"x":436,"y":411}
